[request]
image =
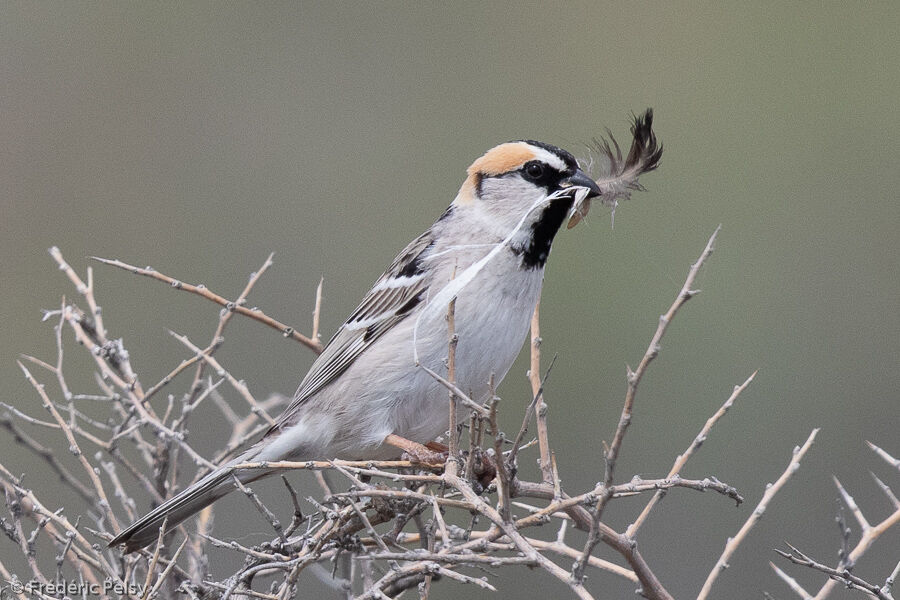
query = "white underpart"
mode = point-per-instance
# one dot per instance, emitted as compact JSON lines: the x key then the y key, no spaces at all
{"x":440,"y":301}
{"x":387,"y":394}
{"x":311,"y":430}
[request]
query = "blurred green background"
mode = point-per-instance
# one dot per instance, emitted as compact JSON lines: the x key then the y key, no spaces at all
{"x":199,"y":137}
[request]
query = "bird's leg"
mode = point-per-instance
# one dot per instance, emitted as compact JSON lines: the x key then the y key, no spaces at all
{"x":419,"y":453}
{"x":435,"y":453}
{"x":484,"y":469}
{"x":438,"y":447}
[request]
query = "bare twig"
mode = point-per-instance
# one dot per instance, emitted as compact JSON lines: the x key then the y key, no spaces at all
{"x":732,"y":544}
{"x":240,"y":386}
{"x":682,"y":459}
{"x":791,"y":582}
{"x":634,"y":377}
{"x":85,"y":289}
{"x":529,"y":411}
{"x":510,"y":530}
{"x":224,"y":317}
{"x":204,"y":292}
{"x":537,"y":392}
{"x":850,"y":503}
{"x":456,"y":393}
{"x":891,"y":579}
{"x":453,"y":425}
{"x":343,"y":539}
{"x":870,"y":533}
{"x":892,"y":498}
{"x":160,"y":544}
{"x":262,"y":508}
{"x":46,"y":454}
{"x":894,"y":462}
{"x":317,"y":311}
{"x":82,"y":546}
{"x":842,"y":575}
{"x":103,"y":501}
{"x":169,"y":567}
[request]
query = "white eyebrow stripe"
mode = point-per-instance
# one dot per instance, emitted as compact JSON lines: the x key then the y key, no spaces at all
{"x":550,"y":158}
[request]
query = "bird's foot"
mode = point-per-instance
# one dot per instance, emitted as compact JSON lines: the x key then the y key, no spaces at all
{"x":431,"y":453}
{"x":438,"y":448}
{"x":483,"y":466}
{"x":483,"y":469}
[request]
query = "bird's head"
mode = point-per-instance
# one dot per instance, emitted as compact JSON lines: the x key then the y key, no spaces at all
{"x":521,"y":177}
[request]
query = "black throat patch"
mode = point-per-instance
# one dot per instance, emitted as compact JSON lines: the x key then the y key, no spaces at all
{"x":535,"y":252}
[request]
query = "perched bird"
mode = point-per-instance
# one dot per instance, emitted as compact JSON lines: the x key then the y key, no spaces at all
{"x":366,"y":396}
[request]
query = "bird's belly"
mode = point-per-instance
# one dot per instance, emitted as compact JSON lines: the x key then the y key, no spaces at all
{"x":389,"y":393}
{"x":492,"y":318}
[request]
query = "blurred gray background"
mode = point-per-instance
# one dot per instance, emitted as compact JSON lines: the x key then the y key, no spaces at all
{"x":199,"y":137}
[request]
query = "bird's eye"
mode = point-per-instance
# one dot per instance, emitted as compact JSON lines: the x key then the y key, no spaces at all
{"x":534,"y":170}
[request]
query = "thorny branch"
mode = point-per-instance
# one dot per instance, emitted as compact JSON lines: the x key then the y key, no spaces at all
{"x":232,"y":306}
{"x":465,"y":510}
{"x":732,"y":544}
{"x":842,"y":573}
{"x":634,"y":377}
{"x":537,"y":391}
{"x":682,"y":459}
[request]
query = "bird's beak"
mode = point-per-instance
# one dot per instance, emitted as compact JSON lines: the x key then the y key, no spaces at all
{"x":581,"y":179}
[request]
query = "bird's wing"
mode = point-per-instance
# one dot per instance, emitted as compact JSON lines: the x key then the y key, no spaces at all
{"x":394,"y":295}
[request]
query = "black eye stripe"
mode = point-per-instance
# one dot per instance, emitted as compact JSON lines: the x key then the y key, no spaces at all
{"x":541,"y":174}
{"x":535,"y":171}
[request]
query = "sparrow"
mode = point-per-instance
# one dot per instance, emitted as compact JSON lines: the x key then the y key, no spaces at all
{"x":366,"y":396}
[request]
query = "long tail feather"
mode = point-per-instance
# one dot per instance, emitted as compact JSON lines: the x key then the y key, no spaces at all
{"x":188,"y":502}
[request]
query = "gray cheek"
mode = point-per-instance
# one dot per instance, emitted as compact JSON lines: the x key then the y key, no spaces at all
{"x":510,"y":197}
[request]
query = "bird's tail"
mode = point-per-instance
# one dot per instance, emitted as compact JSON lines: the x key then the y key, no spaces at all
{"x":189,"y":501}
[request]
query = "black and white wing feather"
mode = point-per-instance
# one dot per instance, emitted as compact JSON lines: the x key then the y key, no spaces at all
{"x":396,"y":293}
